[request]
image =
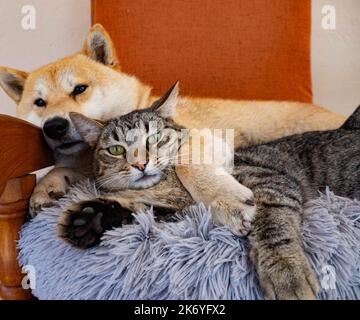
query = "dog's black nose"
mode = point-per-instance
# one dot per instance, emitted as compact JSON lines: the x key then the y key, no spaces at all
{"x":56,"y":128}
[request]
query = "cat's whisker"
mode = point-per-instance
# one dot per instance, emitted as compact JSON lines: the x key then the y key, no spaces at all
{"x":161,"y":163}
{"x":168,"y":158}
{"x":110,"y":179}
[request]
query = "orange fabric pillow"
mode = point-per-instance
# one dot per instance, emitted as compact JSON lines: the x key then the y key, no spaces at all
{"x":243,"y":49}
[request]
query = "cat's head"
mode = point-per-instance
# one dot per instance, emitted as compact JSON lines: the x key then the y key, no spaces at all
{"x":135,"y":150}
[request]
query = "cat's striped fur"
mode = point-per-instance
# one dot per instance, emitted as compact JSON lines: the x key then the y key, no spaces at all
{"x":283,"y":175}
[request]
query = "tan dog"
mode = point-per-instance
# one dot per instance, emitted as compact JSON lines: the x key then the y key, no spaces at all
{"x":91,"y":83}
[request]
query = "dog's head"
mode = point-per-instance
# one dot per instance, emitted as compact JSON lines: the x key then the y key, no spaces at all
{"x":89,"y":83}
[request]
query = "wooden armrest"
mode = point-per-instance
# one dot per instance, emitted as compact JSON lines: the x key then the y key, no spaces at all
{"x":22,"y":150}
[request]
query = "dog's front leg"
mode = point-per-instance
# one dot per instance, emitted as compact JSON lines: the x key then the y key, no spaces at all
{"x":209,"y":182}
{"x":52,"y":187}
{"x":232,"y":203}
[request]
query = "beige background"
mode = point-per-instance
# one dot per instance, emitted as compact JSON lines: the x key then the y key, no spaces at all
{"x":63,"y":24}
{"x":336,"y":57}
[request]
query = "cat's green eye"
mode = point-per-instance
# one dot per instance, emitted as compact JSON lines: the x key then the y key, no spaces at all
{"x":116,"y":150}
{"x":153,"y":138}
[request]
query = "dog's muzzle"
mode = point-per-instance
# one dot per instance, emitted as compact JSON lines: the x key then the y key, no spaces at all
{"x":61,"y":136}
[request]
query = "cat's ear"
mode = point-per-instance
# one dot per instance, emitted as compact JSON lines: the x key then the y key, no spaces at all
{"x":99,"y":47}
{"x":13,"y":81}
{"x":353,"y":122}
{"x":166,"y":105}
{"x":89,"y":129}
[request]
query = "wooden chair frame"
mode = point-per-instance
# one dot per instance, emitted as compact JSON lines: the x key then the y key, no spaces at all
{"x":22,"y":150}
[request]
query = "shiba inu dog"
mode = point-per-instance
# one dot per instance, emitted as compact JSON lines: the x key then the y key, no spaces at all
{"x":91,"y":82}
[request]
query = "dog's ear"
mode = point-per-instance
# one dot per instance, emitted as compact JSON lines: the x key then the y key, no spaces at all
{"x":12,"y":81}
{"x":166,"y":105}
{"x":99,"y":47}
{"x":89,"y":129}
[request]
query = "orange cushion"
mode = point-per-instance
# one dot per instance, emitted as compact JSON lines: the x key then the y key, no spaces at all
{"x":243,"y":49}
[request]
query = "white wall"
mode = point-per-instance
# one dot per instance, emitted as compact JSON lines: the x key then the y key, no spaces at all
{"x":336,"y":57}
{"x":61,"y":26}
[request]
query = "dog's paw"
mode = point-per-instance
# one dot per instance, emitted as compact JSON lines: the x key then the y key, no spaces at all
{"x":51,"y":188}
{"x":235,"y":214}
{"x":42,"y":199}
{"x":83,"y":224}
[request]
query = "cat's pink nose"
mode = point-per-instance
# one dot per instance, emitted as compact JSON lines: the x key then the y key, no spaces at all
{"x":140,"y":166}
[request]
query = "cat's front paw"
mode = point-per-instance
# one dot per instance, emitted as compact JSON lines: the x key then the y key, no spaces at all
{"x":83,"y":224}
{"x":235,"y":214}
{"x":287,"y":278}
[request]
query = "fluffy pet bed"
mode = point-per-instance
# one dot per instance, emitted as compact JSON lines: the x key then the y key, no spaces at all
{"x":187,"y":259}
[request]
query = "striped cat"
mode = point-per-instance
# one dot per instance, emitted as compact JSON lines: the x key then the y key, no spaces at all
{"x":282,"y":175}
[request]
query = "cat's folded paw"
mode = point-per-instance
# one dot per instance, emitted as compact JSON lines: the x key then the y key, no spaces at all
{"x":83,"y":224}
{"x":237,"y":215}
{"x":290,"y":278}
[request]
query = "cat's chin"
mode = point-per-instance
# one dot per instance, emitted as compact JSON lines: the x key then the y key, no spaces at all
{"x":146,"y":181}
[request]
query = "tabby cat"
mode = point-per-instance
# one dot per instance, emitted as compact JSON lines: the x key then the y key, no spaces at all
{"x":282,"y":174}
